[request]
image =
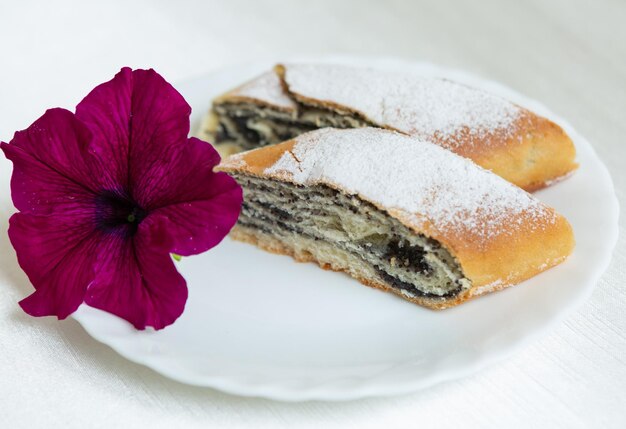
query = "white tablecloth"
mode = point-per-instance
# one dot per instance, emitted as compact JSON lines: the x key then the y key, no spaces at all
{"x":569,"y":54}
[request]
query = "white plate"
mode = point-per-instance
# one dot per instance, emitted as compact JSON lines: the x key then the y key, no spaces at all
{"x":258,"y":324}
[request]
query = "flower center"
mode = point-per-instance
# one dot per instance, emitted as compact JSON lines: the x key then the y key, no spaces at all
{"x":118,"y":214}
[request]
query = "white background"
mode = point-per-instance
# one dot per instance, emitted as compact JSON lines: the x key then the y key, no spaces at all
{"x":571,"y":55}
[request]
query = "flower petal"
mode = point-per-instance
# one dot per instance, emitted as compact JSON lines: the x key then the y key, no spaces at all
{"x":181,"y":177}
{"x":200,"y":206}
{"x":52,"y":168}
{"x":137,"y":280}
{"x":138,"y":119}
{"x":57,"y":254}
{"x":201,"y":225}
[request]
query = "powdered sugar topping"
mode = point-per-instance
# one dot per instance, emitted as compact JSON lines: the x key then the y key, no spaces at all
{"x":268,"y":89}
{"x":418,"y":178}
{"x":419,"y":106}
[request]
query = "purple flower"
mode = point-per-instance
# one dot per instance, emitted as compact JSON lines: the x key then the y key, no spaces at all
{"x":106,"y":194}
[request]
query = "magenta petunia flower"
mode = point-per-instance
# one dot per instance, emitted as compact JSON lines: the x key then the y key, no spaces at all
{"x":106,"y":194}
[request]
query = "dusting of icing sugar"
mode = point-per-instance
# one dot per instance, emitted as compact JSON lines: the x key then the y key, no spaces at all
{"x":234,"y":161}
{"x":395,"y":171}
{"x":415,"y":105}
{"x":556,"y":180}
{"x":266,"y":88}
{"x":489,"y":288}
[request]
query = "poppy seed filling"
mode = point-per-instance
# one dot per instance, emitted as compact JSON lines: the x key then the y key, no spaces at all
{"x":319,"y":218}
{"x":251,"y":126}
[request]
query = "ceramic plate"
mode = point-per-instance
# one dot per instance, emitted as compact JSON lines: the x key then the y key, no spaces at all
{"x":258,"y":324}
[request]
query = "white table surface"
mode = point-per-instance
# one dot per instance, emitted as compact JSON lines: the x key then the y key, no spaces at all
{"x":571,"y":55}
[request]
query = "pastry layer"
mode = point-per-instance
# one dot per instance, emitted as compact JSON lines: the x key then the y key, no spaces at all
{"x":345,"y":231}
{"x":250,"y":126}
{"x":516,"y":144}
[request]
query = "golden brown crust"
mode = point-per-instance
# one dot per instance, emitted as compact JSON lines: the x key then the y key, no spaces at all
{"x":530,"y":245}
{"x":538,"y":154}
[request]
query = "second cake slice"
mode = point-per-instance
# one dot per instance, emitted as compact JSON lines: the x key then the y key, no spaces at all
{"x":524,"y":148}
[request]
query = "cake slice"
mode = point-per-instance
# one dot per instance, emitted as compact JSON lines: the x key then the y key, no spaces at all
{"x":396,"y":213}
{"x":513,"y":142}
